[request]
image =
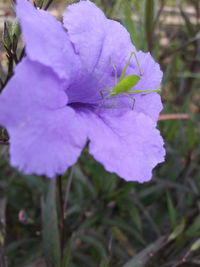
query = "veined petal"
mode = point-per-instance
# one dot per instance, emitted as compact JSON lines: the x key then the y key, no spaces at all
{"x":99,"y":41}
{"x":127,"y":144}
{"x":85,"y":25}
{"x":32,"y":86}
{"x":46,"y":136}
{"x":149,"y":104}
{"x":101,"y":44}
{"x":151,"y":75}
{"x":46,"y":40}
{"x":104,"y":47}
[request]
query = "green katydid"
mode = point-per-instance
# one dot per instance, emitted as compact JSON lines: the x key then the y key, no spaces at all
{"x":125,"y":84}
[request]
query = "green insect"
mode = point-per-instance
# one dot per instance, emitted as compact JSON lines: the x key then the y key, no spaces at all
{"x":125,"y":84}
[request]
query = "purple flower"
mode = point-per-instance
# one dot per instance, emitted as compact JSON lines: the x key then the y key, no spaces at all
{"x":52,"y":105}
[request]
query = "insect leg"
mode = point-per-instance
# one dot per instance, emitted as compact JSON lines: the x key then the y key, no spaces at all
{"x":144,"y":91}
{"x":138,"y":64}
{"x":125,"y":68}
{"x":152,"y":91}
{"x":115,"y":70}
{"x":115,"y":102}
{"x":104,"y":97}
{"x":103,"y":90}
{"x":126,"y":94}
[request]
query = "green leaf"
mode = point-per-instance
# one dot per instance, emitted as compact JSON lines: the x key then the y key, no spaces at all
{"x":123,"y":225}
{"x":149,"y":21}
{"x":194,"y":227}
{"x":6,"y":35}
{"x":177,"y":231}
{"x":51,"y":238}
{"x":67,"y":255}
{"x":141,"y":259}
{"x":135,"y":214}
{"x":196,"y":245}
{"x":104,"y":263}
{"x":3,"y":203}
{"x":129,"y":23}
{"x":189,"y":26}
{"x":39,"y":3}
{"x":36,"y":184}
{"x":171,"y":210}
{"x":16,"y":28}
{"x":94,"y":242}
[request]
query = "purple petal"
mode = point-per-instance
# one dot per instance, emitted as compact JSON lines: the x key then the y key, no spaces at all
{"x":85,"y":25}
{"x":151,"y":74}
{"x":102,"y":44}
{"x":149,"y":104}
{"x":46,"y":40}
{"x":128,"y":145}
{"x":46,"y":136}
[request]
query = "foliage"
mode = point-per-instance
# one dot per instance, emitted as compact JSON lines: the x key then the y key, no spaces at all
{"x":103,"y":220}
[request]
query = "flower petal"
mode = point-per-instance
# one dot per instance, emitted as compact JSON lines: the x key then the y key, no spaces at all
{"x":128,"y":145}
{"x":46,"y":136}
{"x":85,"y":25}
{"x":97,"y":39}
{"x":147,"y":103}
{"x":151,"y":74}
{"x":104,"y":47}
{"x":46,"y":40}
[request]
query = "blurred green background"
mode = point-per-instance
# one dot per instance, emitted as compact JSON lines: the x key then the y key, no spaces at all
{"x":105,"y":221}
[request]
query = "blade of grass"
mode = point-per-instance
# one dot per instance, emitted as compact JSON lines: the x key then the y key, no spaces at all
{"x":142,"y":258}
{"x":149,"y":22}
{"x":171,"y":211}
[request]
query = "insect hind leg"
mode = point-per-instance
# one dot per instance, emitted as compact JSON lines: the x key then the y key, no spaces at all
{"x":115,"y":102}
{"x":115,"y":70}
{"x":103,"y":90}
{"x":126,"y":94}
{"x":104,"y":97}
{"x":137,"y":61}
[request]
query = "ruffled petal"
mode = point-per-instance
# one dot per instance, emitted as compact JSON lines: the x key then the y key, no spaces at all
{"x":85,"y":25}
{"x":101,"y":44}
{"x":149,"y":104}
{"x":104,"y":47}
{"x":46,"y":40}
{"x":127,"y":144}
{"x":151,"y":75}
{"x":46,"y":136}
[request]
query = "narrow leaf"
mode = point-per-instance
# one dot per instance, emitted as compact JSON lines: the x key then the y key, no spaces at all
{"x":6,"y":35}
{"x":67,"y":255}
{"x":149,"y":22}
{"x":177,"y":231}
{"x":196,"y":245}
{"x":104,"y":263}
{"x":141,"y":259}
{"x":171,"y":210}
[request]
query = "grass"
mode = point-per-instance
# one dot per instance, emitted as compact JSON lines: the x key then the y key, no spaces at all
{"x":108,"y":222}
